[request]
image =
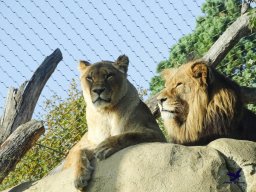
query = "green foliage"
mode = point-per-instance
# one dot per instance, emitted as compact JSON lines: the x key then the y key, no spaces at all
{"x":65,"y":123}
{"x":218,"y":15}
{"x":252,"y":15}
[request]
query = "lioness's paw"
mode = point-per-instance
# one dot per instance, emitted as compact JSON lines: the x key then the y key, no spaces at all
{"x":103,"y":151}
{"x":83,"y":175}
{"x":80,"y":183}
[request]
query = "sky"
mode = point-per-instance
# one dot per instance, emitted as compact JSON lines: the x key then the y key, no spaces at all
{"x":88,"y":30}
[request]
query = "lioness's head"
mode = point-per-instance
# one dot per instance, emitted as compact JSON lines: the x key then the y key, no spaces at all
{"x":104,"y":83}
{"x":184,"y":99}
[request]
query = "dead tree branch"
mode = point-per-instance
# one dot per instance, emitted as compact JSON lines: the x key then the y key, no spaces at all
{"x":153,"y":106}
{"x":17,"y":133}
{"x":249,"y":94}
{"x":20,"y":141}
{"x":236,"y":31}
{"x":20,"y":103}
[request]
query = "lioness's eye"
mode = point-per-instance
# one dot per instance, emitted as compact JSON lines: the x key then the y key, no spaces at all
{"x":109,"y":76}
{"x":89,"y":78}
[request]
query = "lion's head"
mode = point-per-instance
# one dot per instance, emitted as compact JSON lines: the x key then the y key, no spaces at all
{"x":104,"y":83}
{"x":198,"y":104}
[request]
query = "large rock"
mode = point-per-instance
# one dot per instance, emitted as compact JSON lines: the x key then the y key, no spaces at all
{"x":239,"y":154}
{"x":158,"y":167}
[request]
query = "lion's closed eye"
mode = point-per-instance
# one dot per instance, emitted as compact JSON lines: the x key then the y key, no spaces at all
{"x":178,"y":85}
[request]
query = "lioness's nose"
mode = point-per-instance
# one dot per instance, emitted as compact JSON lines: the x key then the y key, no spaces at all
{"x":98,"y":90}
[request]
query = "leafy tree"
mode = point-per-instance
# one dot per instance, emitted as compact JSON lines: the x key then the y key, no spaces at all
{"x":65,"y":124}
{"x":218,"y":15}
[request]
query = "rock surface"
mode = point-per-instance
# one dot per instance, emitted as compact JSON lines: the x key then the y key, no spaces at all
{"x":160,"y":167}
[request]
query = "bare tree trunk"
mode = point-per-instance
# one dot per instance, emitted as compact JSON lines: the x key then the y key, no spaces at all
{"x":17,"y":133}
{"x":20,"y":103}
{"x":236,"y":31}
{"x":153,"y":106}
{"x":20,"y":141}
{"x":249,"y":94}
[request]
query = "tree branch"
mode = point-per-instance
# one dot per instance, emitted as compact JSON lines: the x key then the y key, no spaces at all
{"x":236,"y":31}
{"x":20,"y":103}
{"x":153,"y":106}
{"x":249,"y":94}
{"x":20,"y":141}
{"x":15,"y":123}
{"x":245,"y":6}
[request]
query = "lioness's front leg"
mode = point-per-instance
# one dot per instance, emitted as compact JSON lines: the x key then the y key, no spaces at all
{"x":116,"y":143}
{"x":83,"y":168}
{"x":79,"y":158}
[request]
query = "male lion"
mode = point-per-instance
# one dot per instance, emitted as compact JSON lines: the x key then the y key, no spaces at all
{"x":116,"y":117}
{"x":198,"y":105}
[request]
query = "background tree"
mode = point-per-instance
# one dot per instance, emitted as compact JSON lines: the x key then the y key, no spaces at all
{"x":239,"y":64}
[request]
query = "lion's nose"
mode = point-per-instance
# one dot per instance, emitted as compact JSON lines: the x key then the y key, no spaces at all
{"x":161,"y":100}
{"x":98,"y":90}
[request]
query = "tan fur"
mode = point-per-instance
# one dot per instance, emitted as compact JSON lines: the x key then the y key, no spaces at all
{"x":198,"y":105}
{"x":116,"y":117}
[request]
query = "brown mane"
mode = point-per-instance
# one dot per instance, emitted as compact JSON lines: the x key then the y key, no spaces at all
{"x":207,"y":106}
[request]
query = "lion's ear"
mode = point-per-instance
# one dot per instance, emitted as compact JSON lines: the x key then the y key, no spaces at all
{"x":83,"y":65}
{"x":167,"y":73}
{"x":122,"y":63}
{"x":200,"y":71}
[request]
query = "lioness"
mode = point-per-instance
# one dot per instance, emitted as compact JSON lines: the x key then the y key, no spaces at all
{"x":198,"y":105}
{"x":116,"y":117}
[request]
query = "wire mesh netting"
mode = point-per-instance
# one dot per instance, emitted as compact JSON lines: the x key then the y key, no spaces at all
{"x":144,"y":31}
{"x":87,"y":30}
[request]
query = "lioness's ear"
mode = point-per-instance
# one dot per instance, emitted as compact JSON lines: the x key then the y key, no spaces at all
{"x":122,"y":63}
{"x":200,"y":71}
{"x":167,"y":73}
{"x":83,"y":65}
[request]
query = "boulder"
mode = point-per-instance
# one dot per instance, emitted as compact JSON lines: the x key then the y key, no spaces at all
{"x":164,"y":167}
{"x":239,"y":155}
